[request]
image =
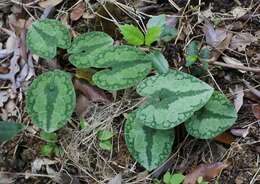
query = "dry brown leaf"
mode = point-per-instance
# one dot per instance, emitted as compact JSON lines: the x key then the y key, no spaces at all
{"x":214,"y":37}
{"x":238,"y":12}
{"x":116,"y":180}
{"x":3,"y":70}
{"x":233,"y":61}
{"x":93,"y":93}
{"x":83,"y":105}
{"x":240,"y":132}
{"x":4,"y":179}
{"x":48,"y":3}
{"x":207,"y":171}
{"x":241,"y":40}
{"x":238,"y":97}
{"x":256,"y":111}
{"x":225,"y":138}
{"x":78,"y":11}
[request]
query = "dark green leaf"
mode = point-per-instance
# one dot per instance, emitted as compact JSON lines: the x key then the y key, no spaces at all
{"x":8,"y":130}
{"x":213,"y":119}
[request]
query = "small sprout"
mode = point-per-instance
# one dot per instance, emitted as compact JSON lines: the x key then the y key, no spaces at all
{"x":104,"y":135}
{"x":176,"y":178}
{"x":105,"y":139}
{"x":132,"y":34}
{"x":152,"y":35}
{"x":49,"y":137}
{"x":106,"y":145}
{"x":201,"y":181}
{"x":47,"y":150}
{"x":83,"y":124}
{"x":191,"y":54}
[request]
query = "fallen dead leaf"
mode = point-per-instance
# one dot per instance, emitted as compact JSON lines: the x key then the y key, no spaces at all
{"x":3,"y":70}
{"x":256,"y":111}
{"x":240,"y":132}
{"x":233,"y":61}
{"x":4,"y":179}
{"x":78,"y":11}
{"x":225,"y":138}
{"x":214,"y":36}
{"x":238,"y":12}
{"x":38,"y":163}
{"x":207,"y":171}
{"x":82,"y":106}
{"x":4,"y":95}
{"x":116,"y":180}
{"x":93,"y":93}
{"x":48,"y":3}
{"x":238,"y":97}
{"x":241,"y":40}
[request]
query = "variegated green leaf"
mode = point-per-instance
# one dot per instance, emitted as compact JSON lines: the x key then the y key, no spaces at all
{"x":85,"y":48}
{"x":9,"y":129}
{"x":172,"y":98}
{"x":44,"y":36}
{"x":50,"y":100}
{"x":128,"y":66}
{"x":213,"y":119}
{"x":150,"y":147}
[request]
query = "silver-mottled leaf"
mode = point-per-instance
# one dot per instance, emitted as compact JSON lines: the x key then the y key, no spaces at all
{"x":150,"y":147}
{"x":213,"y":119}
{"x":172,"y":99}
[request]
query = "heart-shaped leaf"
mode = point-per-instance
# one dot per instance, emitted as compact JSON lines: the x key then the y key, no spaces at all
{"x":9,"y":129}
{"x":45,"y":36}
{"x":150,"y":147}
{"x":50,"y":100}
{"x":128,"y":66}
{"x":85,"y":48}
{"x":172,"y":99}
{"x":213,"y":119}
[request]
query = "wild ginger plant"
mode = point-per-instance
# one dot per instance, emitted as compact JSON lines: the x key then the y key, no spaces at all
{"x":172,"y":97}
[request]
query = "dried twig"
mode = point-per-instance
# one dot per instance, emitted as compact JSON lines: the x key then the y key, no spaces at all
{"x":238,"y":67}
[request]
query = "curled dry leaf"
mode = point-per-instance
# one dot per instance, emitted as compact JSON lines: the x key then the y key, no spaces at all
{"x":78,"y":11}
{"x":207,"y":171}
{"x":256,"y":111}
{"x":238,"y":97}
{"x":241,"y":40}
{"x":48,"y":3}
{"x":214,"y":36}
{"x":240,"y":132}
{"x":82,"y":105}
{"x":93,"y":93}
{"x":225,"y":138}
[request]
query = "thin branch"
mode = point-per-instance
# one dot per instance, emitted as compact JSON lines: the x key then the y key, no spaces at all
{"x":237,"y":67}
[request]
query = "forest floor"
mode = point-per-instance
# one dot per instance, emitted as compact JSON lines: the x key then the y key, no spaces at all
{"x":235,"y":70}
